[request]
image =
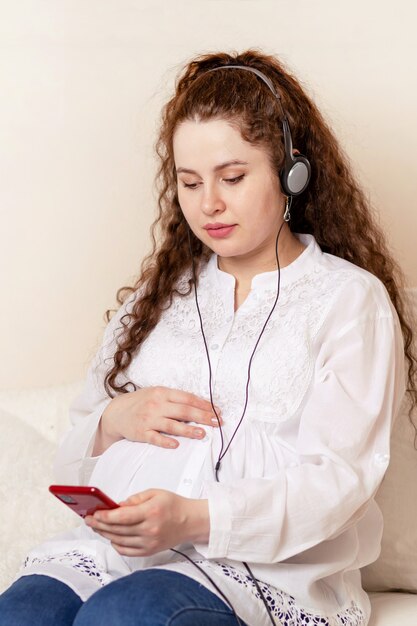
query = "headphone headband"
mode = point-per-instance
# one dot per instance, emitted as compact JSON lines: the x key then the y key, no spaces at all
{"x":262,"y":76}
{"x":296,"y":172}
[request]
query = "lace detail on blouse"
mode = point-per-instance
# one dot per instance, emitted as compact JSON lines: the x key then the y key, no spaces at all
{"x":81,"y":562}
{"x":278,"y":385}
{"x":283,"y":606}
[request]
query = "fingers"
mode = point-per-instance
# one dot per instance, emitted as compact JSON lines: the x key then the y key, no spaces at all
{"x":190,"y":400}
{"x":129,"y":545}
{"x":171,"y":426}
{"x":125,"y":551}
{"x":155,"y":412}
{"x":186,"y":413}
{"x":141,"y":497}
{"x":116,"y":531}
{"x":126,"y":524}
{"x":146,"y":523}
{"x":156,"y":439}
{"x":176,"y":407}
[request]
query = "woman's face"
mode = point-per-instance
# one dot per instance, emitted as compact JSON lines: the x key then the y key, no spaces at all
{"x":227,"y":190}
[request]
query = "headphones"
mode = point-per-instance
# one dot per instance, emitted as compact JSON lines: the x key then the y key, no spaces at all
{"x":296,"y":173}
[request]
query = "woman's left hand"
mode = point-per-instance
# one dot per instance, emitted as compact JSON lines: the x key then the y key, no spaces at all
{"x":152,"y":521}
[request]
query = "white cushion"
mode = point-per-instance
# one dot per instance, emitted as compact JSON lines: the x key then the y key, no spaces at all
{"x":396,"y":567}
{"x":30,"y":513}
{"x":393,"y":609}
{"x":45,"y":409}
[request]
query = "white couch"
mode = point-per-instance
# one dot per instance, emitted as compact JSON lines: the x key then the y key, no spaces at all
{"x":33,"y":421}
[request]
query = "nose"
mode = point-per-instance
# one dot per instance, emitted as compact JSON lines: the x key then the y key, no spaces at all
{"x":212,"y":201}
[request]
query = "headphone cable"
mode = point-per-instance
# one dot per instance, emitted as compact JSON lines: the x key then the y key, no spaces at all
{"x":221,"y":453}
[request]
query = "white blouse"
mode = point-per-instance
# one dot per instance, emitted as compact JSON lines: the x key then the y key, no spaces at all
{"x":296,"y":493}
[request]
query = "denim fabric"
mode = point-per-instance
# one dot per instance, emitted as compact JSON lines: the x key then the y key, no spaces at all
{"x":144,"y":598}
{"x":37,"y":601}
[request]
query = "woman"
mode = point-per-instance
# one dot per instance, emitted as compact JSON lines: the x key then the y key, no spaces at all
{"x":241,"y":405}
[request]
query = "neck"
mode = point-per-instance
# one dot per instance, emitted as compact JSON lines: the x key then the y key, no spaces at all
{"x":245,"y":268}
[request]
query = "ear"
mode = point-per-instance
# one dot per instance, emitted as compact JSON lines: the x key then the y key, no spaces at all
{"x":295,"y":151}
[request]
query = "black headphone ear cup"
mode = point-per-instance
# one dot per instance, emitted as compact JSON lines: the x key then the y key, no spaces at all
{"x":296,"y":175}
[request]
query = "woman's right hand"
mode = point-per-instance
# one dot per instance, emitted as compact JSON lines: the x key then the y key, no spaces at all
{"x":145,"y":414}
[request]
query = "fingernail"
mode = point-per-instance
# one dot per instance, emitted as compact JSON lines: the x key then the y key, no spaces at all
{"x":216,"y":421}
{"x":198,"y":432}
{"x":172,"y":444}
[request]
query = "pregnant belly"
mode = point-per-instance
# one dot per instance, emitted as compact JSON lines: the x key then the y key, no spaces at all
{"x":128,"y":467}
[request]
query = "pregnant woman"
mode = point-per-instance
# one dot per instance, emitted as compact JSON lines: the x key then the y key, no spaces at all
{"x":240,"y":407}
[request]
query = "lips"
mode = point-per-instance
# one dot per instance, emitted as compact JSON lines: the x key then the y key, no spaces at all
{"x":217,"y":225}
{"x":218,"y":230}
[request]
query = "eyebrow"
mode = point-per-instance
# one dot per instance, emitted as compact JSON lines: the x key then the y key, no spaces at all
{"x":216,"y":169}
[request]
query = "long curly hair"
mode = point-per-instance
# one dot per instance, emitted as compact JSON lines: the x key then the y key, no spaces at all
{"x":332,"y":205}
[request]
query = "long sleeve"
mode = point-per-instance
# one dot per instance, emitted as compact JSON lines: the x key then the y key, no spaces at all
{"x":343,"y":446}
{"x":73,"y":463}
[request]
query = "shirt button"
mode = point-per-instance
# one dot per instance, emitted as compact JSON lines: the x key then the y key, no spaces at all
{"x":187,"y":481}
{"x":381,"y":458}
{"x":229,"y":319}
{"x":215,"y":346}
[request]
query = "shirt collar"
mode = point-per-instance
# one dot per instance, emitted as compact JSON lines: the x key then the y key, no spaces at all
{"x":267,"y":280}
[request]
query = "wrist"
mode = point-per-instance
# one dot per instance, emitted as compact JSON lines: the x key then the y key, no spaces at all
{"x":198,"y":521}
{"x":109,"y":423}
{"x":105,"y":437}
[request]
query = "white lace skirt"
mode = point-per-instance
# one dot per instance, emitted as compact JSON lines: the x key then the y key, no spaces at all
{"x":85,"y":574}
{"x":241,"y":590}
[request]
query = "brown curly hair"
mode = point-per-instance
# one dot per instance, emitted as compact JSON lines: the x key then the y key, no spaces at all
{"x":332,"y":205}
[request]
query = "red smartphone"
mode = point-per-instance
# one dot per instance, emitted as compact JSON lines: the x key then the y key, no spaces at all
{"x":83,"y":500}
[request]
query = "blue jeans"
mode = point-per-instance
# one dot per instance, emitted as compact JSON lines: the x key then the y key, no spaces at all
{"x":144,"y":598}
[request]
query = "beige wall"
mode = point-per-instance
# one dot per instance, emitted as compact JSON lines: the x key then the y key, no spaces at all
{"x":82,"y":83}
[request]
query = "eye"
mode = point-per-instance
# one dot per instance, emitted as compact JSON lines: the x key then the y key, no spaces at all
{"x":235,"y":180}
{"x":231,"y":181}
{"x":190,"y":185}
